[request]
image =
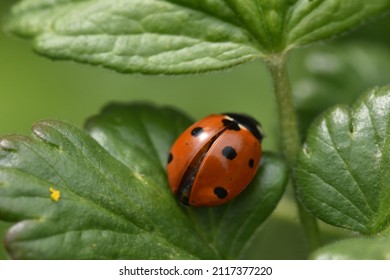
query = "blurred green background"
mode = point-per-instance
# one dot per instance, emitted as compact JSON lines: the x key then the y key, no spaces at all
{"x":33,"y":88}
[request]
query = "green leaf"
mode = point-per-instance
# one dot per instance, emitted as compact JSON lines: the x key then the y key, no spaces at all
{"x":332,"y":74}
{"x":356,"y":249}
{"x":342,"y":173}
{"x":103,"y":204}
{"x":233,"y":223}
{"x":114,"y":199}
{"x":236,"y":222}
{"x":314,"y":20}
{"x":181,"y":36}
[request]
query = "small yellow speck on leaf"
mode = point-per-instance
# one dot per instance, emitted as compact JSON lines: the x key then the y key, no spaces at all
{"x":54,"y":194}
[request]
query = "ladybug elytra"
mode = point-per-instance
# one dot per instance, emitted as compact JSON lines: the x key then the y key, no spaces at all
{"x":214,"y":159}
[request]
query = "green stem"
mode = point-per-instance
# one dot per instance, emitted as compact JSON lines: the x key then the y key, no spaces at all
{"x":290,"y":138}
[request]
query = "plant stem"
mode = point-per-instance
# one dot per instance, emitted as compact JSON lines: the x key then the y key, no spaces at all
{"x":290,"y":138}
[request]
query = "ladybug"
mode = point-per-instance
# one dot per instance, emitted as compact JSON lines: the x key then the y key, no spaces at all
{"x":213,"y":160}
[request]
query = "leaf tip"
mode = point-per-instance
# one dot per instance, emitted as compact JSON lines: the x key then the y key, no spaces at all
{"x":42,"y":130}
{"x":7,"y":145}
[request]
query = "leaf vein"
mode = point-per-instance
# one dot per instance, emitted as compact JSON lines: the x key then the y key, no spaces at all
{"x":79,"y":198}
{"x":348,"y":168}
{"x":339,"y":211}
{"x":246,"y":221}
{"x":312,"y":8}
{"x":96,"y":168}
{"x":337,"y":191}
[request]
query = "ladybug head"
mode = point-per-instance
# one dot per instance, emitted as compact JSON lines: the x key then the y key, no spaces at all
{"x":248,"y":122}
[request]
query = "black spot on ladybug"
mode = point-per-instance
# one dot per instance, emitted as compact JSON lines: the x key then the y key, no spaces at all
{"x":229,"y":152}
{"x":251,"y":162}
{"x":220,"y":192}
{"x":197,"y":131}
{"x":170,"y":158}
{"x":231,"y":125}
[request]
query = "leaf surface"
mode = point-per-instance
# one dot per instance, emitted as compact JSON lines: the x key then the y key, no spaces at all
{"x":181,"y":36}
{"x":342,"y":173}
{"x":73,"y":196}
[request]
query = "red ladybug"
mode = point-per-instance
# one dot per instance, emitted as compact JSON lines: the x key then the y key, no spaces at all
{"x":214,"y":159}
